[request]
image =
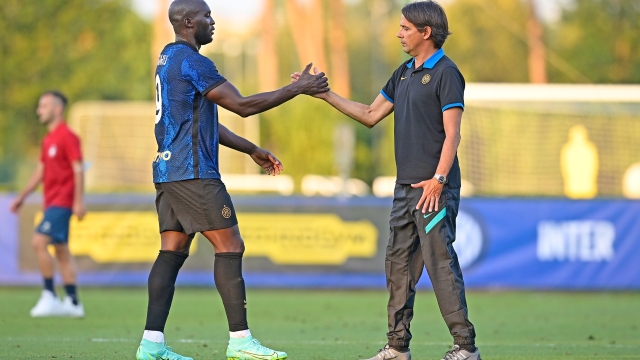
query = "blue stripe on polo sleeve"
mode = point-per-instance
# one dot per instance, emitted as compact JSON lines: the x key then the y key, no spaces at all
{"x":386,"y":96}
{"x":452,"y":106}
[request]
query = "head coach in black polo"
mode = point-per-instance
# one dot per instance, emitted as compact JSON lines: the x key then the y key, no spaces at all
{"x":427,"y":95}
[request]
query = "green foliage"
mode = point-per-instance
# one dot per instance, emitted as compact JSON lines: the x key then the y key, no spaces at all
{"x":100,"y":50}
{"x":600,"y":39}
{"x":88,"y":49}
{"x":487,"y":41}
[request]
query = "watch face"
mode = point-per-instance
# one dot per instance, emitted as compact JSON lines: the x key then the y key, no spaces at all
{"x":441,"y":179}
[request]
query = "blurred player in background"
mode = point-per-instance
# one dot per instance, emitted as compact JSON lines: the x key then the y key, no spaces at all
{"x":427,"y":95}
{"x":190,"y":196}
{"x":60,"y":170}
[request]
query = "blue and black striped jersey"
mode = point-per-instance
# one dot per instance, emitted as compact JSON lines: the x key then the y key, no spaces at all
{"x":186,"y":122}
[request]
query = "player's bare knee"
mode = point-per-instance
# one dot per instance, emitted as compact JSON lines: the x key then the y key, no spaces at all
{"x":40,"y":243}
{"x":231,"y":245}
{"x":176,"y":241}
{"x":62,"y":252}
{"x":235,"y":244}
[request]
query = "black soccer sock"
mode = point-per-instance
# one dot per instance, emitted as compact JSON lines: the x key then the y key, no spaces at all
{"x":72,"y":293}
{"x":162,"y":284}
{"x":48,"y":285}
{"x":227,"y":273}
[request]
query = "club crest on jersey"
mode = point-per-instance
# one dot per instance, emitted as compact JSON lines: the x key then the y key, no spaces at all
{"x":53,"y":150}
{"x":226,"y":212}
{"x":426,"y":79}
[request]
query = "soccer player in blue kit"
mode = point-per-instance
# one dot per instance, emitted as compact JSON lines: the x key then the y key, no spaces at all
{"x":190,"y":196}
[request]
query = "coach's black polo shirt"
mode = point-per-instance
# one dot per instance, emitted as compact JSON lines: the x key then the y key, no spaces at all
{"x":420,"y":96}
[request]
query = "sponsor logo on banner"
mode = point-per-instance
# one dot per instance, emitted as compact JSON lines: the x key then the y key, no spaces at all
{"x":584,"y":240}
{"x":307,"y":239}
{"x":470,"y":242}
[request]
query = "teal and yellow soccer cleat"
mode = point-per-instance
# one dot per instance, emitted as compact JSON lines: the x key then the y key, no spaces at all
{"x":251,"y":349}
{"x":149,"y":350}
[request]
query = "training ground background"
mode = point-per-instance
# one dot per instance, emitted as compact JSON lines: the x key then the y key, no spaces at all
{"x":315,"y":324}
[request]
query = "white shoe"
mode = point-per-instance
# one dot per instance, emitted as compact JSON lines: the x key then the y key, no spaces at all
{"x":389,"y":353}
{"x":67,"y":308}
{"x":456,"y":353}
{"x":48,"y":305}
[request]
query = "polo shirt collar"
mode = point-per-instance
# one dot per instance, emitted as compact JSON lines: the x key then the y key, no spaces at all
{"x":431,"y":61}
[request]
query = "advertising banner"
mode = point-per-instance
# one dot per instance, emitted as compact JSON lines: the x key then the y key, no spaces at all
{"x":341,"y":242}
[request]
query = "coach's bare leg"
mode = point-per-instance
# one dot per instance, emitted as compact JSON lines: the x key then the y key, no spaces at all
{"x":226,"y":240}
{"x":40,"y":243}
{"x":66,"y":263}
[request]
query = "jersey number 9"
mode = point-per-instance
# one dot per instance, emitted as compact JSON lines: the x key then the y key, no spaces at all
{"x":158,"y":99}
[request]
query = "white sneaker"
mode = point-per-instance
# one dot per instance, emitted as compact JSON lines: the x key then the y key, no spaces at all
{"x":389,"y":353}
{"x":456,"y":353}
{"x":48,"y":305}
{"x":67,"y":308}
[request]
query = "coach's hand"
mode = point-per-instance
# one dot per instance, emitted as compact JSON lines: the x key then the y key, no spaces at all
{"x":431,"y":191}
{"x":296,"y":76}
{"x":267,"y":161}
{"x":311,"y":84}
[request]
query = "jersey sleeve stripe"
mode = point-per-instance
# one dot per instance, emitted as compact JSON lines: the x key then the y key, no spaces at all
{"x":213,"y":86}
{"x":386,"y":96}
{"x":461,"y":105}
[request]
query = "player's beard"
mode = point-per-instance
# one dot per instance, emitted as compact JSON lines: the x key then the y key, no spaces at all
{"x":203,"y":35}
{"x":46,"y":118}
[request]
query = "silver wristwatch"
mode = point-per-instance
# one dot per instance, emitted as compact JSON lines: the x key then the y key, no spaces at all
{"x":441,"y":178}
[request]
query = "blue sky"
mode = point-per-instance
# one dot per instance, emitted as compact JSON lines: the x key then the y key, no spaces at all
{"x":247,"y":10}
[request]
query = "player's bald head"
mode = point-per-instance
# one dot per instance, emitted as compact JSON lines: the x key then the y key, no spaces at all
{"x":181,"y":9}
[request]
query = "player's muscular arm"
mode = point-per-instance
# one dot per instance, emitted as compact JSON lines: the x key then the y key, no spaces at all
{"x":235,"y":142}
{"x":262,"y":157}
{"x":228,"y":96}
{"x":367,"y":115}
{"x":32,"y":184}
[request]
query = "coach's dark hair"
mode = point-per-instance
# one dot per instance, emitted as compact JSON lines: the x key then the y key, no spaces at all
{"x":431,"y":14}
{"x":58,"y":95}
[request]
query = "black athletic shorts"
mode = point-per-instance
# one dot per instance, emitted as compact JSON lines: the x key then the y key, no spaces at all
{"x":192,"y":206}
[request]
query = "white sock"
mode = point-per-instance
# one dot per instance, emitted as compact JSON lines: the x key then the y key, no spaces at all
{"x":155,"y":336}
{"x":239,"y":334}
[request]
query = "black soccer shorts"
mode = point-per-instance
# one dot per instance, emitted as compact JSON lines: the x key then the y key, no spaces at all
{"x":192,"y":206}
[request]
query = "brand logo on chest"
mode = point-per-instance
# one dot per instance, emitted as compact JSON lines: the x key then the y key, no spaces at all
{"x":426,"y":79}
{"x":53,"y":150}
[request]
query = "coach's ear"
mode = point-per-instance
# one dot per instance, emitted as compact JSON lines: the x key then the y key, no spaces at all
{"x":426,"y":34}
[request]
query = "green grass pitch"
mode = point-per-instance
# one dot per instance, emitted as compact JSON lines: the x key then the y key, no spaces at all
{"x":311,"y":324}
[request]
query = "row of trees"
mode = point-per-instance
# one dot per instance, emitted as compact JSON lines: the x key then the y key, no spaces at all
{"x":100,"y":50}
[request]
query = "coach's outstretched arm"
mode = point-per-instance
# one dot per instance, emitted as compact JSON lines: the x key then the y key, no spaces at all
{"x":228,"y":96}
{"x":261,"y":156}
{"x":367,"y":115}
